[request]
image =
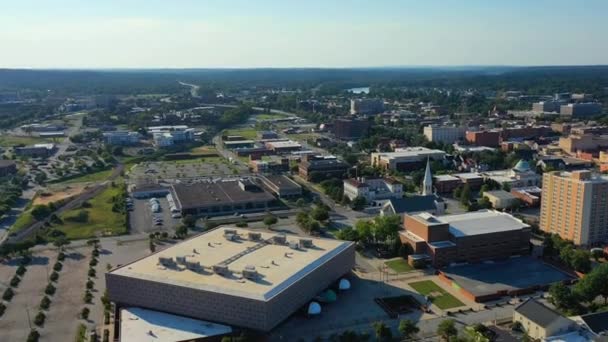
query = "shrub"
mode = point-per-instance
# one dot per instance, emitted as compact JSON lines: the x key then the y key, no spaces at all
{"x":61,"y":256}
{"x":84,"y":314}
{"x":90,"y":284}
{"x":106,"y":317}
{"x":58,"y":266}
{"x":92,"y":272}
{"x":8,"y":294}
{"x":88,"y":297}
{"x":95,"y":253}
{"x":45,"y":303}
{"x":106,"y":335}
{"x":54,"y":276}
{"x":15,"y":281}
{"x":3,"y":308}
{"x":21,"y":270}
{"x":33,"y":336}
{"x":93,"y":262}
{"x":39,"y":319}
{"x":50,"y":289}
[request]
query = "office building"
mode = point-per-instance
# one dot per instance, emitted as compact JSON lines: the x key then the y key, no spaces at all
{"x":547,"y":106}
{"x":121,"y":138}
{"x":581,"y":109}
{"x":165,"y":136}
{"x":483,"y":138}
{"x":471,"y":237}
{"x":347,"y":129}
{"x":366,"y":106}
{"x":232,"y":276}
{"x":318,"y":168}
{"x":372,"y":189}
{"x":444,"y":134}
{"x":405,"y":159}
{"x":575,"y":206}
{"x":36,"y":151}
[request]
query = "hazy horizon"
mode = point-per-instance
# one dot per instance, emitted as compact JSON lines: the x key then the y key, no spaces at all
{"x":214,"y":34}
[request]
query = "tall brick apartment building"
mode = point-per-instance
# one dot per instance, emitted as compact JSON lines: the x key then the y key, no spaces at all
{"x":471,"y":237}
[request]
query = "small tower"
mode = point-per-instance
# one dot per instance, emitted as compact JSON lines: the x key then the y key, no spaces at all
{"x":427,"y":183}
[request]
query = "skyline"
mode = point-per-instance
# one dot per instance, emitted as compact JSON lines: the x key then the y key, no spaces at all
{"x":270,"y":34}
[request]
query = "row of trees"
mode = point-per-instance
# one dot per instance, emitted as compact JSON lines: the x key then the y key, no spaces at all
{"x":578,"y":259}
{"x":311,"y":221}
{"x":587,"y":291}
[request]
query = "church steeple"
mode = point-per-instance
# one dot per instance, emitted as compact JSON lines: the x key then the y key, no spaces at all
{"x":427,"y":183}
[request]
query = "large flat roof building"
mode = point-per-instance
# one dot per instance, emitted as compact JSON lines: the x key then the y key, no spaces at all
{"x":404,"y":159}
{"x":444,"y":134}
{"x":233,"y":276}
{"x":471,"y":237}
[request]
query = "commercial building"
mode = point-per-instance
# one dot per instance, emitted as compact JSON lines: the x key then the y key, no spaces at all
{"x":221,"y":198}
{"x":547,"y":106}
{"x":372,"y":189}
{"x":121,"y":138}
{"x":446,"y":183}
{"x":444,"y":134}
{"x":233,"y":276}
{"x":581,"y":109}
{"x":575,"y":206}
{"x":323,"y":167}
{"x":282,"y":186}
{"x":501,"y":199}
{"x":165,"y":136}
{"x":7,"y":167}
{"x":520,"y":176}
{"x":269,"y":164}
{"x":530,"y":195}
{"x":366,"y":106}
{"x":483,"y":138}
{"x":405,"y":159}
{"x":541,"y":322}
{"x":283,"y":146}
{"x":582,"y":142}
{"x":36,"y":151}
{"x":347,"y":129}
{"x":264,"y":135}
{"x":472,"y":237}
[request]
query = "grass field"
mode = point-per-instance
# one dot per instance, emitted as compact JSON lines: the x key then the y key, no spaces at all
{"x":24,"y":220}
{"x":8,"y":140}
{"x":399,"y":265}
{"x":247,"y":133}
{"x":438,"y":296}
{"x":99,"y":176}
{"x":101,"y":218}
{"x":203,"y":150}
{"x":270,"y":116}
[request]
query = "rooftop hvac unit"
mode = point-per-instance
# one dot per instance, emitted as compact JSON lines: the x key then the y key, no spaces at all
{"x":279,"y":239}
{"x":231,"y":237}
{"x":180,"y":260}
{"x":306,"y":243}
{"x":193,"y":265}
{"x":168,"y":262}
{"x":221,"y":269}
{"x":294,"y":245}
{"x":250,"y":273}
{"x":229,"y":231}
{"x":254,"y":236}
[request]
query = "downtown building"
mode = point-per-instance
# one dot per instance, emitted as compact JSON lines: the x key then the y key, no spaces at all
{"x":444,"y":134}
{"x":575,"y":206}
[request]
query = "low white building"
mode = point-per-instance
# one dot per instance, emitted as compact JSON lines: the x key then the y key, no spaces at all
{"x":541,"y":322}
{"x":520,"y":176}
{"x":372,"y":189}
{"x":169,"y":135}
{"x":444,"y":134}
{"x":121,"y":138}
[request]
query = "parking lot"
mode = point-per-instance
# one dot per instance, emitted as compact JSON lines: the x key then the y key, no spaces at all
{"x":142,"y":218}
{"x":170,"y":171}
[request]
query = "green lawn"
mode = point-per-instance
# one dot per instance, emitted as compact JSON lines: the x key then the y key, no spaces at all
{"x":439,"y":296}
{"x":247,"y":133}
{"x":8,"y":140}
{"x":99,"y":176}
{"x":399,"y":265}
{"x":270,"y":116}
{"x":24,"y":220}
{"x":101,"y":218}
{"x":203,"y":150}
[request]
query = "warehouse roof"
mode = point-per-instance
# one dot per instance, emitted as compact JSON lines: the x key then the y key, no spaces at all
{"x":218,"y":193}
{"x":225,"y":254}
{"x":138,"y":324}
{"x":474,"y":223}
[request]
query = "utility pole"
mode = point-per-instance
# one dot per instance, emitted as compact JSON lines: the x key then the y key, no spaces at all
{"x":29,"y":320}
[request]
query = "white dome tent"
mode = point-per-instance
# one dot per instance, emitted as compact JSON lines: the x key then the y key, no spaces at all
{"x":344,"y":284}
{"x":314,"y":308}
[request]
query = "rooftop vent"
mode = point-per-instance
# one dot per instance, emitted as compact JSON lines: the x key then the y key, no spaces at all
{"x":221,"y":269}
{"x":306,"y":243}
{"x":250,"y":273}
{"x":294,"y":245}
{"x":254,"y":236}
{"x":231,"y":237}
{"x":167,"y":262}
{"x":193,"y":265}
{"x":279,"y":239}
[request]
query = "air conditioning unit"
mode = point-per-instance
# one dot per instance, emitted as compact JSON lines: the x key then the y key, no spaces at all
{"x":229,"y":231}
{"x":279,"y":239}
{"x":221,"y":269}
{"x":294,"y":245}
{"x":180,"y":260}
{"x":250,"y":273}
{"x":167,"y":262}
{"x":254,"y":236}
{"x":306,"y":243}
{"x":193,"y":265}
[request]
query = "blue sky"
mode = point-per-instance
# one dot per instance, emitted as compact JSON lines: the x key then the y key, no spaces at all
{"x":289,"y":33}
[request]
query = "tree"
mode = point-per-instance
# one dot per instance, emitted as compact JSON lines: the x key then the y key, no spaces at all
{"x":408,"y":328}
{"x":580,"y":261}
{"x":152,"y":246}
{"x":597,"y":254}
{"x":269,"y":220}
{"x":383,"y":332}
{"x":189,"y":221}
{"x":506,"y":187}
{"x":40,"y":212}
{"x":465,"y":195}
{"x":61,"y":242}
{"x":300,"y":202}
{"x":181,"y":231}
{"x":594,"y":284}
{"x":447,"y":329}
{"x":348,"y":234}
{"x":320,"y":214}
{"x":358,"y":203}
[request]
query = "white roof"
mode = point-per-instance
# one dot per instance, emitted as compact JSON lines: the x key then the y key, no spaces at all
{"x":443,"y":178}
{"x":143,"y":325}
{"x":480,"y":222}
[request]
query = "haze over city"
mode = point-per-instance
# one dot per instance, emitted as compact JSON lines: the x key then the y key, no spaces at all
{"x":316,"y":33}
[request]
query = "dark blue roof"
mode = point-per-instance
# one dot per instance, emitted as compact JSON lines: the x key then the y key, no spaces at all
{"x":415,"y":204}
